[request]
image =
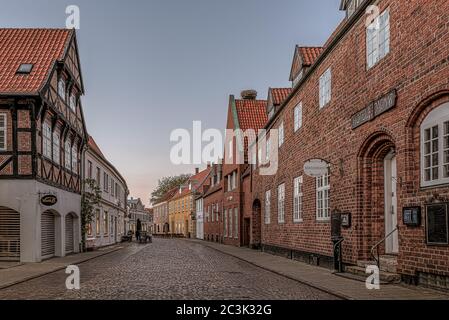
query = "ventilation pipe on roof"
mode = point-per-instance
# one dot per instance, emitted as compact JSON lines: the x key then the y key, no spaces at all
{"x":249,"y":94}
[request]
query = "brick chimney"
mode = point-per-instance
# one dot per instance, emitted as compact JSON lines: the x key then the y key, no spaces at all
{"x":249,"y":94}
{"x":197,"y":170}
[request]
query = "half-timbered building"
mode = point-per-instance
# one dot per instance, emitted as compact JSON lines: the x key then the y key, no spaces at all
{"x":42,"y":135}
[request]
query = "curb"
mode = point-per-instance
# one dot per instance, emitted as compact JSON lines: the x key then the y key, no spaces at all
{"x":56,"y":270}
{"x":326,"y":290}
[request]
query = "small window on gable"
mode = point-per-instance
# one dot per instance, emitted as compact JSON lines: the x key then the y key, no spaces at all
{"x":25,"y":68}
{"x":72,"y":102}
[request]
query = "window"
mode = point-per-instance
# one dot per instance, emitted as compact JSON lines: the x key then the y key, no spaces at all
{"x":72,"y":102}
{"x":229,"y":183}
{"x":298,"y":117}
{"x":97,"y":222}
{"x":352,"y":7}
{"x":98,"y":176}
{"x":234,"y":180}
{"x":437,"y":225}
{"x":378,"y":39}
{"x":25,"y":68}
{"x":230,"y":223}
{"x":46,"y":140}
{"x":61,"y":88}
{"x":236,"y":220}
{"x":281,"y":203}
{"x":281,"y":134}
{"x":268,"y":207}
{"x":298,"y":78}
{"x":89,"y":229}
{"x":56,"y":148}
{"x":435,"y":147}
{"x":67,"y":158}
{"x":225,"y":225}
{"x":213,"y":213}
{"x":297,"y":199}
{"x":74,"y":159}
{"x":325,"y":88}
{"x":117,"y":192}
{"x":268,"y":149}
{"x":322,"y":196}
{"x":106,"y":222}
{"x":105,"y":182}
{"x":3,"y":128}
{"x":89,"y":169}
{"x":112,"y":186}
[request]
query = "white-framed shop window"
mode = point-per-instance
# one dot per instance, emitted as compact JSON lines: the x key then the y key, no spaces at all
{"x":297,"y":199}
{"x":322,"y":198}
{"x":435,"y":147}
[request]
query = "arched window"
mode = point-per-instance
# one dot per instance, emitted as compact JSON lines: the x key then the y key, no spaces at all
{"x":435,"y":147}
{"x":61,"y":88}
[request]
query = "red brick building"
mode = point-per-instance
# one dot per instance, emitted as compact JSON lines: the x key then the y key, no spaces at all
{"x":374,"y":104}
{"x":213,"y":206}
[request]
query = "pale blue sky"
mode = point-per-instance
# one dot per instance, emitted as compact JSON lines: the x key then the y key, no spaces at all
{"x":151,"y":66}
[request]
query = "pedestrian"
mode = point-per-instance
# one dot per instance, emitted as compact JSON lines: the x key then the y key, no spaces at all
{"x":138,"y":229}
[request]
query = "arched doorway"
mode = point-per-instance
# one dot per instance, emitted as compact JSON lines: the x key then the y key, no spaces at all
{"x":9,"y":234}
{"x":69,"y":233}
{"x":378,"y":200}
{"x":48,"y":234}
{"x":256,"y":225}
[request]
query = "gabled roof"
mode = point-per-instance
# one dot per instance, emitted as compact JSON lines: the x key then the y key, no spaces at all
{"x":94,"y":147}
{"x":278,"y":95}
{"x":251,"y":114}
{"x":303,"y":57}
{"x":41,"y":47}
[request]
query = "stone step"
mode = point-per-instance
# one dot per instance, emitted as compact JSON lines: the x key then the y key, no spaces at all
{"x":387,"y":263}
{"x":387,"y":277}
{"x":356,"y":277}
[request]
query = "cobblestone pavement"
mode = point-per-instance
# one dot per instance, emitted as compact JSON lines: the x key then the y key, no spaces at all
{"x":166,"y":269}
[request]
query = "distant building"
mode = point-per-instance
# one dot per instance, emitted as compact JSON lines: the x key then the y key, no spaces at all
{"x":160,"y":213}
{"x":108,"y":223}
{"x":137,"y":211}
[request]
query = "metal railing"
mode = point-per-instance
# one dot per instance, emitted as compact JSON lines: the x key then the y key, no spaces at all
{"x":338,"y":256}
{"x":376,"y":247}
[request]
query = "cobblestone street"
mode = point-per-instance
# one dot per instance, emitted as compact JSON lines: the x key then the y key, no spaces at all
{"x":166,"y":269}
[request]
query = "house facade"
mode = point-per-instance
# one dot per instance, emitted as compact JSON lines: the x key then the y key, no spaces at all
{"x":373,"y":104}
{"x":108,"y":225}
{"x":161,"y":213}
{"x":137,"y":212}
{"x":42,"y":135}
{"x":213,"y":222}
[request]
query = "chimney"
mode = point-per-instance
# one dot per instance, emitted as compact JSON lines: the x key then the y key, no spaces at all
{"x":249,"y":94}
{"x":208,"y":165}
{"x":197,"y":170}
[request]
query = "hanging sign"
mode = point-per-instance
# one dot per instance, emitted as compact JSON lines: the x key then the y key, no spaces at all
{"x":49,"y":200}
{"x":316,"y":168}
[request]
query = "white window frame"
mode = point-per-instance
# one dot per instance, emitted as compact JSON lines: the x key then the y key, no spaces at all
{"x":230,"y":223}
{"x":67,"y":155}
{"x":281,"y":134}
{"x":378,"y":39}
{"x":325,"y":88}
{"x":46,"y":140}
{"x":267,"y":211}
{"x":281,"y":203}
{"x":297,"y":115}
{"x":225,"y":224}
{"x":298,"y":78}
{"x":236,"y":222}
{"x":74,"y":159}
{"x":72,"y":102}
{"x":297,"y":199}
{"x":437,"y":118}
{"x":323,"y":198}
{"x":61,"y":88}
{"x":268,"y":148}
{"x":4,"y":131}
{"x":56,"y":148}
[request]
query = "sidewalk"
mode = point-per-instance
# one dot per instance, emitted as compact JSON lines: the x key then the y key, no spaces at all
{"x":324,"y":279}
{"x":21,"y":272}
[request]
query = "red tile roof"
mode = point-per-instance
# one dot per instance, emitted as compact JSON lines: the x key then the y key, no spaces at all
{"x":94,"y":146}
{"x":252,"y":114}
{"x":310,"y":54}
{"x":280,"y":94}
{"x":41,"y":47}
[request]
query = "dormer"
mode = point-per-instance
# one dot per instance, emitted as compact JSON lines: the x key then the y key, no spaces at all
{"x":350,"y":6}
{"x":276,"y":96}
{"x":303,"y":58}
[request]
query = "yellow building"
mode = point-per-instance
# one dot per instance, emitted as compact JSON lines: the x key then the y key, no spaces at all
{"x":180,"y":206}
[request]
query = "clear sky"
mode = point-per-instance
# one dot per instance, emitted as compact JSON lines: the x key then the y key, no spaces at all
{"x":151,"y":66}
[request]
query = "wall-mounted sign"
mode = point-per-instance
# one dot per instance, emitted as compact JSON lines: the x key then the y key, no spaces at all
{"x":316,"y":168}
{"x":346,"y":220}
{"x":49,"y":200}
{"x":411,"y":216}
{"x":375,"y":109}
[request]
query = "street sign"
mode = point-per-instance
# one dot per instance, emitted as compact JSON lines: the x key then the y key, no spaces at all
{"x":49,"y":200}
{"x":316,"y":168}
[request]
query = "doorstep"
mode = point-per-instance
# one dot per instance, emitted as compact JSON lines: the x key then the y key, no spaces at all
{"x":325,"y":279}
{"x":22,"y":272}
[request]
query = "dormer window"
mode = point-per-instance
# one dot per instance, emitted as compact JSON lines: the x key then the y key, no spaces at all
{"x":271,"y":113}
{"x":352,"y":6}
{"x":25,"y":68}
{"x":61,"y":88}
{"x":298,"y":77}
